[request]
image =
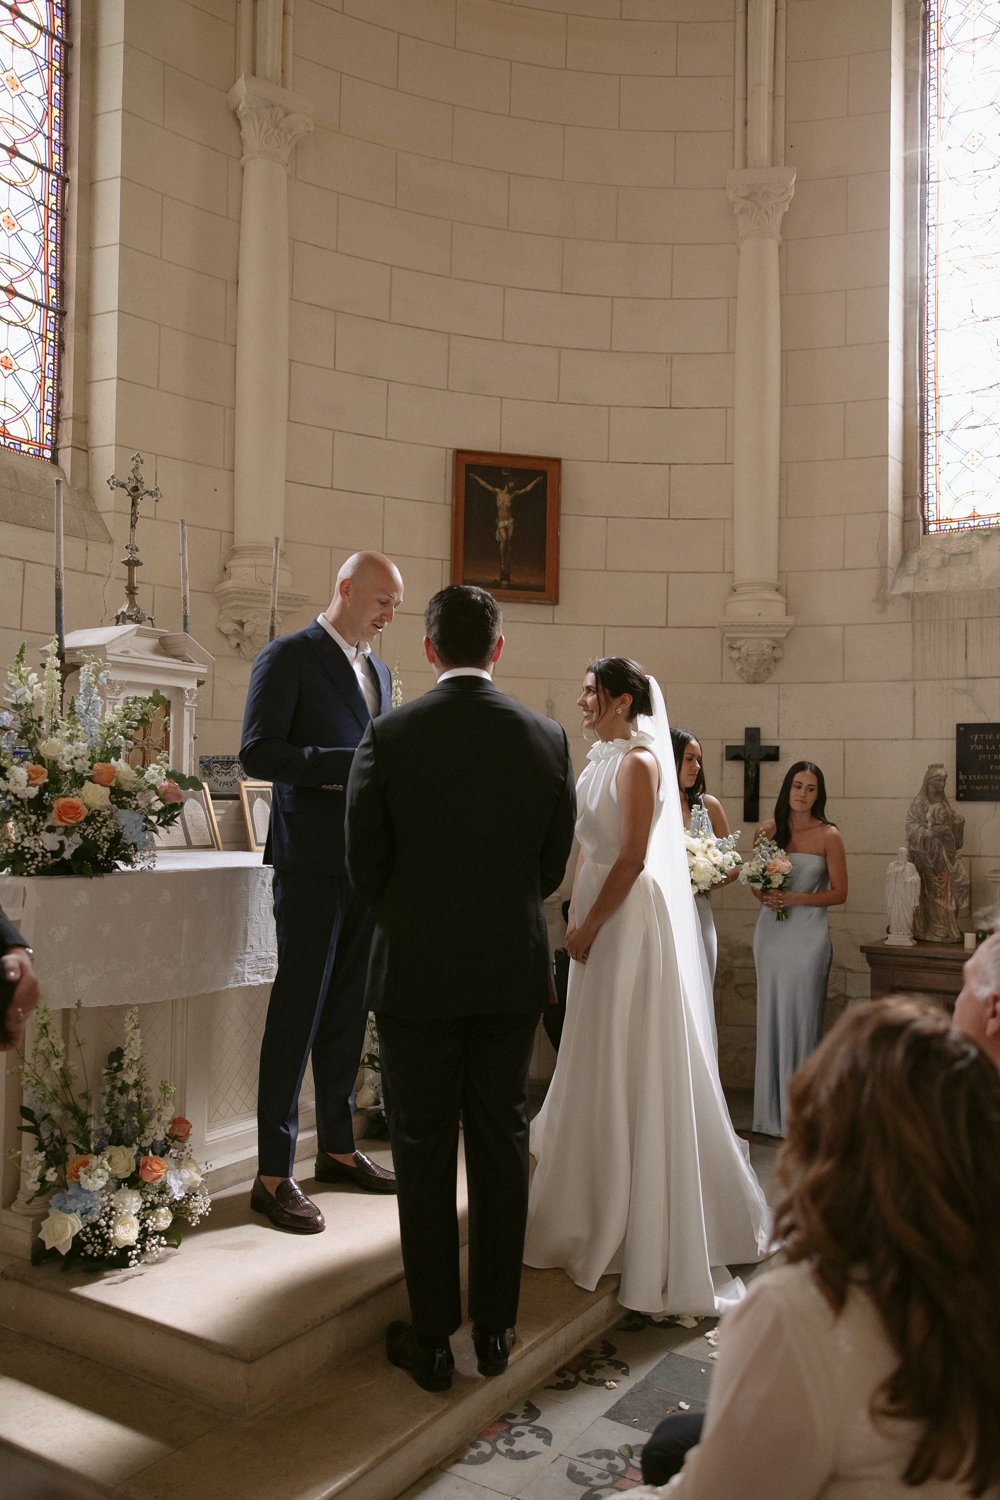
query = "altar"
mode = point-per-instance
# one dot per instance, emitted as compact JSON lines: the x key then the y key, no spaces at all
{"x":191,"y":943}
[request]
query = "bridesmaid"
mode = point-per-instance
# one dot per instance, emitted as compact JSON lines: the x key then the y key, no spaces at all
{"x":793,"y":956}
{"x":701,"y":814}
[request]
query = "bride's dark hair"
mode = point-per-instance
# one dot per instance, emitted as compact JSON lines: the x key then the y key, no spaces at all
{"x":615,"y":675}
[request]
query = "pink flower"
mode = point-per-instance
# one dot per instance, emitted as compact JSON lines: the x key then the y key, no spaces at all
{"x":36,"y":774}
{"x":103,"y":772}
{"x":152,"y":1168}
{"x":170,"y":792}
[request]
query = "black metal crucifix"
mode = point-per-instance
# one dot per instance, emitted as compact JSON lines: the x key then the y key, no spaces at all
{"x":751,"y":753}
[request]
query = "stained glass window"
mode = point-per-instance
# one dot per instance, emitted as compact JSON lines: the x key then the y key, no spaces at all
{"x":961,"y":408}
{"x":32,"y":180}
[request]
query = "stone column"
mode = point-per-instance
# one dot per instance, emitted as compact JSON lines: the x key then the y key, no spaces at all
{"x":271,"y":120}
{"x":756,"y":620}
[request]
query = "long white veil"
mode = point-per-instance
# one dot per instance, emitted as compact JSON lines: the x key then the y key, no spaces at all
{"x":666,"y":862}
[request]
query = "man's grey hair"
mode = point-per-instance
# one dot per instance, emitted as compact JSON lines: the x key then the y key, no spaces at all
{"x":987,"y":978}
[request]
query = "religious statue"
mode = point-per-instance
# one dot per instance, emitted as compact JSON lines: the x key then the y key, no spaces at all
{"x":902,"y":893}
{"x":934,"y":834}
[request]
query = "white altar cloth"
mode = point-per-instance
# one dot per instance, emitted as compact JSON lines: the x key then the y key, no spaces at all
{"x":198,"y":923}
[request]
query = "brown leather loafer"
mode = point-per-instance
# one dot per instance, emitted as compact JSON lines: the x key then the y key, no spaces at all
{"x":365,"y":1174}
{"x":287,"y":1207}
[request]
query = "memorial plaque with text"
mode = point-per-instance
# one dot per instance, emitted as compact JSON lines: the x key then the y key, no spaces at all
{"x":977,"y":762}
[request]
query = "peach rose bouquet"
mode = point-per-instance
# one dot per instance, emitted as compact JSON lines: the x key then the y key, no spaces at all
{"x":70,"y":802}
{"x":119,"y":1174}
{"x":767,"y":870}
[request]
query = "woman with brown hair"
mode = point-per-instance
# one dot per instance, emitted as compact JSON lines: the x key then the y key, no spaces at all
{"x":868,"y":1364}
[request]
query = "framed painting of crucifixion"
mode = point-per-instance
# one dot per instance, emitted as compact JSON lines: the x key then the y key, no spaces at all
{"x":505,"y":525}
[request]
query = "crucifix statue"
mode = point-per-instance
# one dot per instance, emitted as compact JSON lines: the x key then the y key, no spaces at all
{"x":130,"y":613}
{"x":751,"y":753}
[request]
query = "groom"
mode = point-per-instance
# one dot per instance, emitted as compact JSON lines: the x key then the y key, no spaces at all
{"x":460,"y":811}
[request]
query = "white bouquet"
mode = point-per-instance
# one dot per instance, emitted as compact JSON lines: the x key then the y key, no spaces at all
{"x":710,"y":859}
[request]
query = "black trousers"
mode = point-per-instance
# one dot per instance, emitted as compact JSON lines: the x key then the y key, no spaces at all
{"x":440,"y":1071}
{"x":317,"y":1006}
{"x":663,"y":1456}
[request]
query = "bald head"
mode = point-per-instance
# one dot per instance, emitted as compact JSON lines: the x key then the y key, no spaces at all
{"x":368,"y":593}
{"x":977,"y":1009}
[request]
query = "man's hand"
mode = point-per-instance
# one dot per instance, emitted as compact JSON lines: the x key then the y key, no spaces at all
{"x":18,"y":970}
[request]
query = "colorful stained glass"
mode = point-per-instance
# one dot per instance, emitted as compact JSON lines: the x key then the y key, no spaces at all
{"x":32,"y":181}
{"x":962,"y":290}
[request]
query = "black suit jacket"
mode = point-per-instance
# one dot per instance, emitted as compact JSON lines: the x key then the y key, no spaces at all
{"x":305,"y":714}
{"x":460,"y":814}
{"x":9,"y":935}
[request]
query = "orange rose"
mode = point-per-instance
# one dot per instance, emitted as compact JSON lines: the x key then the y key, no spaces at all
{"x":103,"y":773}
{"x":75,"y":1166}
{"x":170,"y":792}
{"x":67,"y":811}
{"x":36,"y":774}
{"x":152,"y":1168}
{"x":180,"y":1128}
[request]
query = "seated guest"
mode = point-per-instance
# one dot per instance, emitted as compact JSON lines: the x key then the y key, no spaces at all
{"x":867,"y":1364}
{"x":19,"y":989}
{"x":977,"y":1009}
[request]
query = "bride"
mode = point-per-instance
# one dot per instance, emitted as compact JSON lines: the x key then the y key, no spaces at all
{"x":639,"y":1170}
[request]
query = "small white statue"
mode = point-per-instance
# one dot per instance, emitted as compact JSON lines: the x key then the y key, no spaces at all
{"x":902,"y":893}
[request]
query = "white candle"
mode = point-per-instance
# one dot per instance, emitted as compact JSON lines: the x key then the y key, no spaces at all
{"x":185,"y":582}
{"x":60,"y":563}
{"x":272,"y":628}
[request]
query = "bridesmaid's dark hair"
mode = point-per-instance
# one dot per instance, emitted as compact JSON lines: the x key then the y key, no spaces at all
{"x":615,"y":675}
{"x":783,"y":809}
{"x":681,"y":738}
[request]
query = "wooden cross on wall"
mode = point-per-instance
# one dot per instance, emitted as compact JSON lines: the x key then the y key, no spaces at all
{"x":751,"y":753}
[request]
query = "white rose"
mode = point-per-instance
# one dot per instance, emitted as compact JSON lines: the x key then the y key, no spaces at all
{"x":192,"y":1173}
{"x":127,"y":1201}
{"x":93,"y":796}
{"x":161,"y":1218}
{"x":125,"y":776}
{"x":51,"y":749}
{"x":57,"y":1231}
{"x":121,"y":1160}
{"x":124,"y":1231}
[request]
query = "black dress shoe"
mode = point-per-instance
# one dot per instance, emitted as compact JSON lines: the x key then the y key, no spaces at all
{"x":365,"y":1174}
{"x":287,"y":1207}
{"x":492,"y":1349}
{"x":430,"y":1366}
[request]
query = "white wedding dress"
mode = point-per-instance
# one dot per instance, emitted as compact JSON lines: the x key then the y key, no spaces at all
{"x":640,"y":1172}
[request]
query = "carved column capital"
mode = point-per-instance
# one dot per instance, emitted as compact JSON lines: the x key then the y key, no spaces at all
{"x":755,"y":646}
{"x":272,"y":119}
{"x":245,"y":613}
{"x":760,"y":197}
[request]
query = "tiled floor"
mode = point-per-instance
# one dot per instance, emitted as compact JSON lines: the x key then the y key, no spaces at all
{"x":579,"y":1434}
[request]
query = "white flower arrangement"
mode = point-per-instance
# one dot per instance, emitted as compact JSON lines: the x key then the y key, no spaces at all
{"x":70,"y":802}
{"x":767,"y":870}
{"x":710,"y":859}
{"x":121,"y":1176}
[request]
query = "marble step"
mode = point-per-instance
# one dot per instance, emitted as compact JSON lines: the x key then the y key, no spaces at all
{"x":240,"y":1311}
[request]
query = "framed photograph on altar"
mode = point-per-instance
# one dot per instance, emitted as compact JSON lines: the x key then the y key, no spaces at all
{"x":505,"y":525}
{"x":256,"y":799}
{"x":196,"y":828}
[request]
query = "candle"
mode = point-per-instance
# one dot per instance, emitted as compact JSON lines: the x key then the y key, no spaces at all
{"x":185,"y":582}
{"x":272,"y":628}
{"x":60,"y":562}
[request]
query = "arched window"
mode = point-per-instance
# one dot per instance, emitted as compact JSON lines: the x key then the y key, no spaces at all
{"x":32,"y":183}
{"x":961,"y":324}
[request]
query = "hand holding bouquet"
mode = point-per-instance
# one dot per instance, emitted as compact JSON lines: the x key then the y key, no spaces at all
{"x":767,"y":870}
{"x":710,"y":859}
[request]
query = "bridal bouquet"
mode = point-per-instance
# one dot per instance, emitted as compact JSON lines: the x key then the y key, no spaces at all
{"x":767,"y":870}
{"x":121,"y":1175}
{"x":710,"y":859}
{"x":70,"y":802}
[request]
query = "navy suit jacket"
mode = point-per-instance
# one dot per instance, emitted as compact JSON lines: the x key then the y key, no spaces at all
{"x":305,"y":715}
{"x":460,"y":813}
{"x":9,"y":935}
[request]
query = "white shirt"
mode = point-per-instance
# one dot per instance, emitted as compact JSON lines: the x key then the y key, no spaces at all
{"x":465,"y":672}
{"x":358,"y":657}
{"x":788,"y":1415}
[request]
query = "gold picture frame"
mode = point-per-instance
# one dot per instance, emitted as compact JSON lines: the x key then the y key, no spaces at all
{"x":255,"y":799}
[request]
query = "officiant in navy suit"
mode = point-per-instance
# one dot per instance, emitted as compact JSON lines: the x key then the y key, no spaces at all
{"x":312,"y":695}
{"x":460,"y":811}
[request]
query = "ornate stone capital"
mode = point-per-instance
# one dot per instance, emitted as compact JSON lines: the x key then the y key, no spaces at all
{"x":760,"y":197}
{"x":271,"y":118}
{"x":245,"y":610}
{"x":754,"y":628}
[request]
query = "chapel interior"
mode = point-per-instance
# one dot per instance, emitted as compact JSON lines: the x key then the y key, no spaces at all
{"x":311,"y":249}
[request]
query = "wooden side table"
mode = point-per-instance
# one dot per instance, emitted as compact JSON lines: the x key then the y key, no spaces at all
{"x":933,"y":969}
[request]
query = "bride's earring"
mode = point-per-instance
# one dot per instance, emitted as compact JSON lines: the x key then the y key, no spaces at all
{"x":618,"y":712}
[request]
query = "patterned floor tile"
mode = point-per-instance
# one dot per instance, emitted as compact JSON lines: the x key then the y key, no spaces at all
{"x":438,"y":1486}
{"x":518,"y":1446}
